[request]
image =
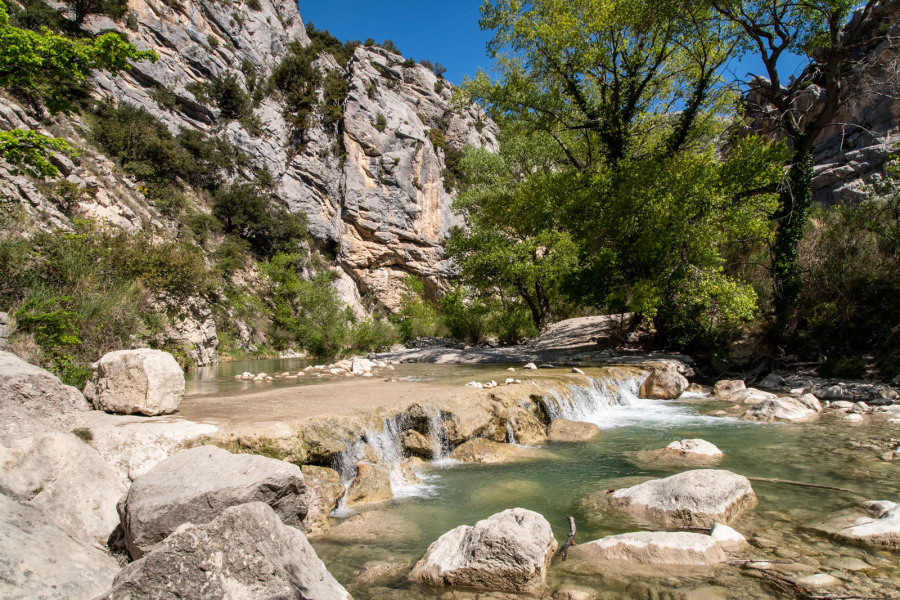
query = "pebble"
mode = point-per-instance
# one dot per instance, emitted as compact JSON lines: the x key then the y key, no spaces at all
{"x":853,"y":418}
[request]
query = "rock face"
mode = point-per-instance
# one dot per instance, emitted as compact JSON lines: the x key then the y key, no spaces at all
{"x":780,"y":409}
{"x":696,"y":498}
{"x":194,"y":486}
{"x":509,"y":551}
{"x":564,"y":430}
{"x":245,"y":552}
{"x":28,"y":538}
{"x":665,"y":384}
{"x":649,"y":548}
{"x":66,"y":477}
{"x":144,"y":381}
{"x":30,"y":396}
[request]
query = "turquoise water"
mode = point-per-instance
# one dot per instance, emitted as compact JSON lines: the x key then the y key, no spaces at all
{"x":395,"y":535}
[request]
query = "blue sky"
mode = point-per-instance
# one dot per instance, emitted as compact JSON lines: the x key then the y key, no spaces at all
{"x":444,"y":32}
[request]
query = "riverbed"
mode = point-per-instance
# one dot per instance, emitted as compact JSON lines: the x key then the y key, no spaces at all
{"x":372,"y":552}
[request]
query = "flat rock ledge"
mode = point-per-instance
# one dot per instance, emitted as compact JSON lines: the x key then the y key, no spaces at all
{"x":509,"y":551}
{"x":647,"y":548}
{"x":697,"y":498}
{"x":245,"y":552}
{"x":196,"y":485}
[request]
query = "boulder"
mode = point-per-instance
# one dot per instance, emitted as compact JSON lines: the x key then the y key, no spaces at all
{"x":772,"y":381}
{"x":564,"y":430}
{"x":245,"y":552}
{"x":726,"y":387}
{"x":324,"y":490}
{"x":810,"y":402}
{"x":372,"y":484}
{"x":648,"y":548}
{"x":730,"y":539}
{"x":481,"y":450}
{"x":697,"y":498}
{"x":417,"y":444}
{"x":780,"y":409}
{"x":144,"y":381}
{"x":62,"y":474}
{"x":40,"y":561}
{"x":32,"y":399}
{"x":509,"y":551}
{"x":665,"y":384}
{"x":749,"y":396}
{"x":194,"y":486}
{"x":684,"y":453}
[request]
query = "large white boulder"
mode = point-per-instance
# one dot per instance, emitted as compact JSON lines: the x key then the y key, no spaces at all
{"x":194,"y":486}
{"x":509,"y":551}
{"x":32,"y":400}
{"x":695,"y":498}
{"x":144,"y":381}
{"x":245,"y":552}
{"x":62,"y":474}
{"x":749,"y":396}
{"x":40,"y":561}
{"x":666,"y":384}
{"x":780,"y":409}
{"x":647,"y":548}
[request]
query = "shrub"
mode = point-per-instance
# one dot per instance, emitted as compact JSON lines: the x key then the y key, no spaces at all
{"x":373,"y":335}
{"x":418,"y":316}
{"x":212,"y":40}
{"x":335,"y":90}
{"x":465,"y":318}
{"x":380,"y":122}
{"x":164,"y":97}
{"x":244,"y":211}
{"x":843,"y":367}
{"x":231,"y":99}
{"x":254,"y":5}
{"x":85,"y":434}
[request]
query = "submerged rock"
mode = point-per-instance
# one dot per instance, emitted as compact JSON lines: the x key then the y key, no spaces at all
{"x":882,"y":531}
{"x":780,"y":409}
{"x":696,"y":498}
{"x":196,"y":485}
{"x":480,"y":450}
{"x":647,"y":548}
{"x":245,"y":552}
{"x":144,"y":381}
{"x":62,"y":474}
{"x":684,"y":453}
{"x":665,"y":384}
{"x":564,"y":430}
{"x":40,"y":561}
{"x":509,"y":551}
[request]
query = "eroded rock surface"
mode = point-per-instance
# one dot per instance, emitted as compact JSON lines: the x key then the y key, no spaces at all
{"x":509,"y":551}
{"x":245,"y":552}
{"x":194,"y":486}
{"x":480,"y":450}
{"x":144,"y":381}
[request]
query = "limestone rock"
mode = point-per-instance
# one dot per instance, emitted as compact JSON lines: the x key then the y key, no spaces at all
{"x":62,"y":474}
{"x":480,"y":450}
{"x":372,"y":484}
{"x":417,"y":444}
{"x":810,"y":402}
{"x":32,"y":399}
{"x":144,"y":381}
{"x":749,"y":396}
{"x":818,"y":581}
{"x":772,"y":381}
{"x":648,"y":548}
{"x":780,"y":409}
{"x":684,"y":453}
{"x":883,"y":531}
{"x":509,"y":551}
{"x":194,"y":486}
{"x":666,"y":384}
{"x":564,"y":430}
{"x":245,"y":552}
{"x":324,"y":490}
{"x":728,"y":538}
{"x":40,"y":561}
{"x":191,"y":327}
{"x":726,"y":387}
{"x":697,"y":498}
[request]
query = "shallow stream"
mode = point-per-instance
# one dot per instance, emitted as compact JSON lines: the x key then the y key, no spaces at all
{"x":371,"y":553}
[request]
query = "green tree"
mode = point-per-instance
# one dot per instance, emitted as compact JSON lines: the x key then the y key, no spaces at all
{"x":823,"y":34}
{"x":80,"y":9}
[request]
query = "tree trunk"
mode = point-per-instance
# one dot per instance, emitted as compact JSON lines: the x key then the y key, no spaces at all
{"x":794,"y":203}
{"x":546,"y":317}
{"x":532,"y":306}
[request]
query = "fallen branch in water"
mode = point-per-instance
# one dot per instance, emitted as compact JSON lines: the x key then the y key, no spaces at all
{"x":759,"y":562}
{"x":571,"y":540}
{"x":789,"y":587}
{"x":803,"y":484}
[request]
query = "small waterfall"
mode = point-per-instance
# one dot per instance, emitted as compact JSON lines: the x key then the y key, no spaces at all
{"x":440,"y":444}
{"x":510,"y":434}
{"x":580,"y":402}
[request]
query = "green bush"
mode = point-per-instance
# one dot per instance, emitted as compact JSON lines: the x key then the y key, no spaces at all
{"x":512,"y":323}
{"x":373,"y":335}
{"x":418,"y":316}
{"x":246,"y":212}
{"x":84,"y":433}
{"x":380,"y":122}
{"x":212,"y":40}
{"x":843,"y":367}
{"x":465,"y":318}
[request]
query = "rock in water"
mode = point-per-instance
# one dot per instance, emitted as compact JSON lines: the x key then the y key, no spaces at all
{"x":66,"y":477}
{"x":749,"y":396}
{"x":245,"y":552}
{"x":196,"y":485}
{"x":696,"y":498}
{"x":684,"y":453}
{"x":564,"y":430}
{"x":780,"y":409}
{"x":655,"y":548}
{"x":509,"y":551}
{"x":372,"y":484}
{"x":32,"y":399}
{"x":417,"y":444}
{"x":883,"y":531}
{"x":665,"y":384}
{"x":40,"y":561}
{"x":481,"y":450}
{"x":726,"y":387}
{"x":144,"y":381}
